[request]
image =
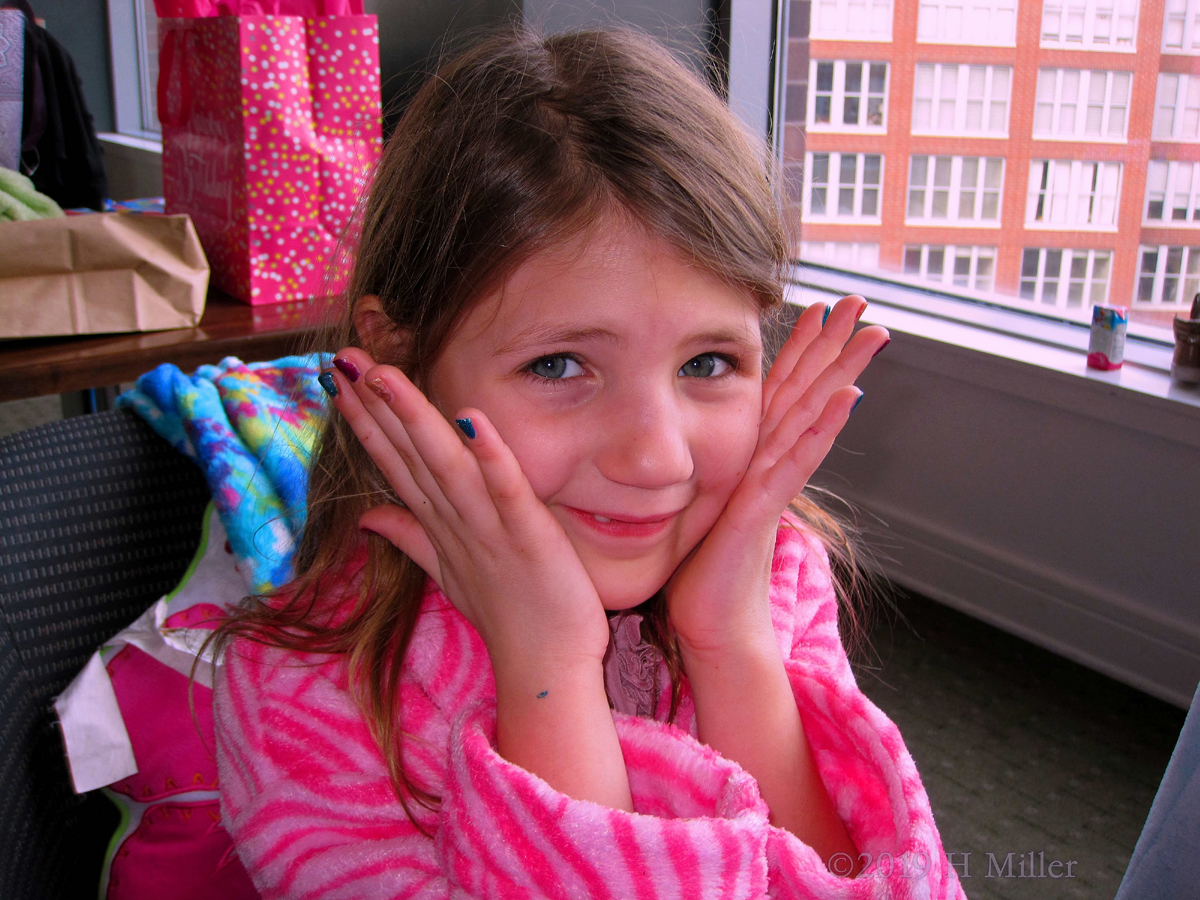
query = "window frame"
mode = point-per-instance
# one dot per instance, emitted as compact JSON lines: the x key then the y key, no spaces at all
{"x":844,"y":14}
{"x":1183,"y":86}
{"x":962,"y":99}
{"x":1160,"y":275}
{"x":837,"y":95}
{"x":1063,"y":281}
{"x":1087,"y":33}
{"x":831,"y":185}
{"x":954,"y":191}
{"x":1083,"y":101}
{"x":1189,"y":40}
{"x":1170,"y":192}
{"x":134,"y":83}
{"x":953,"y":253}
{"x":941,"y":6}
{"x":1075,"y":193}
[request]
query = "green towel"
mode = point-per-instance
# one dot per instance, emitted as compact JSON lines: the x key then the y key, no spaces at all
{"x":20,"y":201}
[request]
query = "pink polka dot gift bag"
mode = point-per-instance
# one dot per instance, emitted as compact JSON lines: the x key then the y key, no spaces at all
{"x":271,"y":128}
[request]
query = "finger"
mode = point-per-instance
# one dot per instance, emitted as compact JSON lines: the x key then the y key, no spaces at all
{"x":377,"y":444}
{"x":806,"y":408}
{"x":506,"y":483}
{"x":819,"y":354}
{"x":404,"y":532}
{"x":807,"y":327}
{"x":441,"y":466}
{"x":788,"y":476}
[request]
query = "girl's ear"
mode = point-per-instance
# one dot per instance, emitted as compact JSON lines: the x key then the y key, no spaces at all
{"x":382,"y":338}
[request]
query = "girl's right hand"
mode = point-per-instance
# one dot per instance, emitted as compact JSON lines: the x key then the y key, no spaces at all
{"x":472,"y":521}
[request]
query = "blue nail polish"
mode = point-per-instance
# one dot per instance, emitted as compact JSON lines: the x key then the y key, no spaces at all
{"x":825,"y":316}
{"x":325,"y":379}
{"x":542,"y":694}
{"x":466,"y":427}
{"x":856,"y":402}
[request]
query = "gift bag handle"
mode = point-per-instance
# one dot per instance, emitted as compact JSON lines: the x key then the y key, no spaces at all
{"x":166,"y":63}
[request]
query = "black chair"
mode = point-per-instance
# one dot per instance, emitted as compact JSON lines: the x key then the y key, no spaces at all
{"x":99,"y":517}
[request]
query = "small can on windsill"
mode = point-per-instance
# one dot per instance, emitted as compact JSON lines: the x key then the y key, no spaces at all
{"x":1106,"y":349}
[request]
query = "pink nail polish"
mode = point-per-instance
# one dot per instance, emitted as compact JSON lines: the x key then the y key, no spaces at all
{"x":347,"y":368}
{"x":881,"y":346}
{"x":862,"y":309}
{"x":379,"y":387}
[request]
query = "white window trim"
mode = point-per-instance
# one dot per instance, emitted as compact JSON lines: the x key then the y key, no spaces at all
{"x":838,"y":97}
{"x":1160,"y":275}
{"x":938,"y":9}
{"x":1169,"y":192}
{"x":955,"y":194}
{"x":961,"y":100}
{"x":1191,"y":30}
{"x":844,"y":14}
{"x":1078,"y":174}
{"x":1063,"y":278}
{"x":861,"y":253}
{"x":952,"y":252}
{"x":1179,"y":107}
{"x":833,"y":185}
{"x":133,"y":90}
{"x":1088,"y":42}
{"x":1081,"y":106}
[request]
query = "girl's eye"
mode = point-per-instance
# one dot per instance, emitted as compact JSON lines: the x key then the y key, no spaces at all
{"x":706,"y":365}
{"x":556,"y":367}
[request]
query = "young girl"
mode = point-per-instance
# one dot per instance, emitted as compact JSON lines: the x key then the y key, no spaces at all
{"x":555,"y":629}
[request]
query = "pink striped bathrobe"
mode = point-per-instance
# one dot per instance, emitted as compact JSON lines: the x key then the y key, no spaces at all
{"x":306,"y":796}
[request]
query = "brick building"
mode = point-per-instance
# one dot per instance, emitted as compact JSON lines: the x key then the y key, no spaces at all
{"x":1048,"y":150}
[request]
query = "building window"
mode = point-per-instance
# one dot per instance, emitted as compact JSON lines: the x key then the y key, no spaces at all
{"x":960,"y":189}
{"x":1168,"y":276}
{"x":964,"y":267}
{"x":1181,"y":27}
{"x":961,"y":100}
{"x":1177,"y":108}
{"x":1072,"y":194}
{"x":1173,"y":193}
{"x":844,"y":186}
{"x":846,"y":254}
{"x":982,"y":23}
{"x":853,"y":20}
{"x":1065,"y":278}
{"x":847,"y":95}
{"x":1090,"y":24}
{"x":1081,"y":104}
{"x":133,"y":39}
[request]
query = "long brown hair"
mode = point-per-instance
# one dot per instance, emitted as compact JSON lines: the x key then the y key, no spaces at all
{"x":515,"y":145}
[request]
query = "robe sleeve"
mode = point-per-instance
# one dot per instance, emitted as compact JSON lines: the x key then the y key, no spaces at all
{"x":867,"y":770}
{"x":304,"y":791}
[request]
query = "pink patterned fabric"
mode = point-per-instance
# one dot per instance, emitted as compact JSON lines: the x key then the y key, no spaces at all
{"x":306,"y":796}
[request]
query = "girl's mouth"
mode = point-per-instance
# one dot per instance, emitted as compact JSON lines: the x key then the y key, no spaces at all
{"x":615,"y":524}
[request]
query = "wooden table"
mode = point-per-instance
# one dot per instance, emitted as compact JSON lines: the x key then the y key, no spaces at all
{"x":37,"y":366}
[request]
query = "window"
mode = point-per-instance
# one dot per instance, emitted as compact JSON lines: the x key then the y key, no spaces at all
{"x":133,"y":37}
{"x":1177,"y":108}
{"x":1081,"y":104}
{"x":966,"y":267}
{"x":841,"y":253}
{"x":844,"y":186}
{"x":854,"y":20}
{"x":961,"y":100}
{"x":1090,"y":24}
{"x":1065,"y":278}
{"x":847,"y":95}
{"x":979,"y":22}
{"x":1181,"y":27}
{"x":1071,"y":194}
{"x":1172,"y":190}
{"x":964,"y":190}
{"x":1168,"y":275}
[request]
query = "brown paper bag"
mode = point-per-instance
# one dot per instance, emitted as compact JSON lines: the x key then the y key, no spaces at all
{"x":96,"y":274}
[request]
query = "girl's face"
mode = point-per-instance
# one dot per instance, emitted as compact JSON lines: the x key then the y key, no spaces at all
{"x":628,"y":385}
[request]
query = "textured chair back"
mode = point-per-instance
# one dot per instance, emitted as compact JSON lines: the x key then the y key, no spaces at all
{"x":99,"y":517}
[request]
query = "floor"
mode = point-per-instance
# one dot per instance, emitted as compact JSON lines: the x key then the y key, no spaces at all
{"x":1021,"y":751}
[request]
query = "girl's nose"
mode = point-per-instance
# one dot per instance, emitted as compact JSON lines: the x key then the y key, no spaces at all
{"x":644,"y":441}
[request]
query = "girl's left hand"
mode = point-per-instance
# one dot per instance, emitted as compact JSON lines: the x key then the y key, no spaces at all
{"x":718,"y":598}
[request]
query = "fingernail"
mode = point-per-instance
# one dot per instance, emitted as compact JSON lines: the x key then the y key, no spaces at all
{"x":862,"y":309}
{"x":379,"y":387}
{"x":325,"y":379}
{"x":825,"y":315}
{"x":347,"y":368}
{"x":466,"y":427}
{"x":858,"y":401}
{"x":881,"y":346}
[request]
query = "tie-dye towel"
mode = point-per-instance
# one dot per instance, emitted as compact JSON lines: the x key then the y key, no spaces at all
{"x":251,"y":428}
